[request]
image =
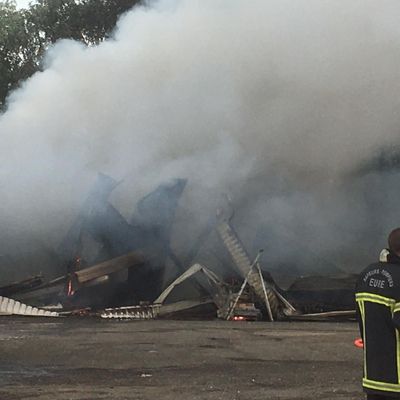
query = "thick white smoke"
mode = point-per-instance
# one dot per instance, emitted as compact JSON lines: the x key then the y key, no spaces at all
{"x":231,"y":94}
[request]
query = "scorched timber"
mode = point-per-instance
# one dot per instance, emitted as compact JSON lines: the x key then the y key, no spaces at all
{"x":24,"y":285}
{"x":132,"y":259}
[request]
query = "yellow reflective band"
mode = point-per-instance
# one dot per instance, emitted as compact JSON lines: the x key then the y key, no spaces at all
{"x":398,"y":356}
{"x":376,"y":298}
{"x":362,"y":312}
{"x":361,"y":298}
{"x":387,"y":387}
{"x":361,"y":303}
{"x":396,"y":307}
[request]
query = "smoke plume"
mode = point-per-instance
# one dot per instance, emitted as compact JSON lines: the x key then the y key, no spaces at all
{"x":274,"y":101}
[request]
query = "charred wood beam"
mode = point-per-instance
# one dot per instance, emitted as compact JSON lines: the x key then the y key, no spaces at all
{"x":134,"y":258}
{"x":24,"y":285}
{"x":47,"y":290}
{"x":43,"y":294}
{"x":83,"y":277}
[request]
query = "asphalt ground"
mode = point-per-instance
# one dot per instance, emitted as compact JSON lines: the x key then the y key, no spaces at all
{"x":85,"y":359}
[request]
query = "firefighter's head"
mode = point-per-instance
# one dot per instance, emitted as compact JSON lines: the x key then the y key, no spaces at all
{"x":394,"y":241}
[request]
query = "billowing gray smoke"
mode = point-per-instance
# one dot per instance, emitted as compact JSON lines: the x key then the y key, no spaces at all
{"x":276,"y":101}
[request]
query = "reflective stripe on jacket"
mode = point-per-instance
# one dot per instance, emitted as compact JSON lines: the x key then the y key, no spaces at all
{"x":378,"y":311}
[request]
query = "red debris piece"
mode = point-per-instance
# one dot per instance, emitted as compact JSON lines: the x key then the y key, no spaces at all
{"x":359,"y":343}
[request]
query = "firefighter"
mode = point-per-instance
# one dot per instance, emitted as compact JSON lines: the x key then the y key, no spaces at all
{"x":378,"y":314}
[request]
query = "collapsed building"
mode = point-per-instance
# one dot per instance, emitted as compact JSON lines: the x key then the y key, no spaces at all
{"x":116,"y":268}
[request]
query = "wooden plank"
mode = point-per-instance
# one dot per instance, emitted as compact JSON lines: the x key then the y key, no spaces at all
{"x":24,"y":285}
{"x":134,"y":258}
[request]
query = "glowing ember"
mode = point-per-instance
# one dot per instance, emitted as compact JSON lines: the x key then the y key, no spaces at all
{"x":70,"y":290}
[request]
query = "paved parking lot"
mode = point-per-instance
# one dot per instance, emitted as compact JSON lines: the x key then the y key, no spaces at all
{"x":95,"y":359}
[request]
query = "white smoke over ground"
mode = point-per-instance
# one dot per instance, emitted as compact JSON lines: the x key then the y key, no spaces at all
{"x":273,"y":100}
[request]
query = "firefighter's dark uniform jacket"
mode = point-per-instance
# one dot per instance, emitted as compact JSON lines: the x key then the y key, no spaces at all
{"x":378,"y":312}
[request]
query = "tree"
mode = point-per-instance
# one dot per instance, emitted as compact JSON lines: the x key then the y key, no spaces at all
{"x":17,"y":50}
{"x":25,"y":34}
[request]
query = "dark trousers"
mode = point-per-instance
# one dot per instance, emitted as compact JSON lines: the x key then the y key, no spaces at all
{"x":378,"y":397}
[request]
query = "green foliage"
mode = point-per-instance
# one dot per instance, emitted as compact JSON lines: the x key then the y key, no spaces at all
{"x":16,"y":61}
{"x":26,"y":33}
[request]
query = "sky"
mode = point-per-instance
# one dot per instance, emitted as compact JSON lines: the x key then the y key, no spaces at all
{"x":23,"y":3}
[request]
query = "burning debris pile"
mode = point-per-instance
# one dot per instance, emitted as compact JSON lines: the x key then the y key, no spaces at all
{"x":116,"y":269}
